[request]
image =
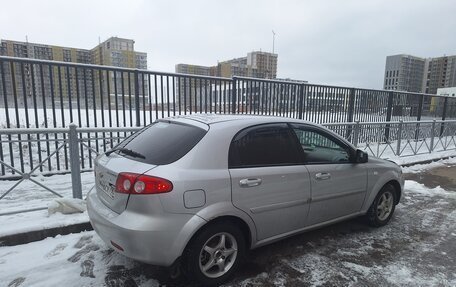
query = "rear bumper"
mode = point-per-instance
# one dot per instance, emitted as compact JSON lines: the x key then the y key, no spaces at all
{"x":157,"y":239}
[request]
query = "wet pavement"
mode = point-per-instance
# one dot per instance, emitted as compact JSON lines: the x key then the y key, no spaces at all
{"x":444,"y":177}
{"x":417,"y":248}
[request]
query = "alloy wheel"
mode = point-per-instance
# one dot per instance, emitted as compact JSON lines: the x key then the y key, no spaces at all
{"x":385,"y":205}
{"x":218,"y":255}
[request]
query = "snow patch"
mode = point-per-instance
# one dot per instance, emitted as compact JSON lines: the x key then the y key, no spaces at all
{"x":418,"y":168}
{"x":28,"y":195}
{"x":419,"y":188}
{"x":399,"y":274}
{"x":362,"y":270}
{"x":67,"y":206}
{"x":306,"y":264}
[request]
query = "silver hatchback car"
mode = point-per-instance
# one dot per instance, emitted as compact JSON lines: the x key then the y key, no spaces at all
{"x":203,"y":189}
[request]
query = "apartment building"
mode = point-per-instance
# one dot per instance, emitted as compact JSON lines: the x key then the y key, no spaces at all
{"x":256,"y":64}
{"x":440,"y":73}
{"x":420,"y":75}
{"x":114,"y":51}
{"x":187,"y":86}
{"x":120,"y":52}
{"x":42,"y":52}
{"x":404,"y":73}
{"x":195,"y":70}
{"x":262,"y":65}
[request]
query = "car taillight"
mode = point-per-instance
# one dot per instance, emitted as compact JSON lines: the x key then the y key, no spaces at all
{"x":133,"y":183}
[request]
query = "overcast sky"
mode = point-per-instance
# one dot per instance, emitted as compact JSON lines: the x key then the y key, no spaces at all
{"x":325,"y":42}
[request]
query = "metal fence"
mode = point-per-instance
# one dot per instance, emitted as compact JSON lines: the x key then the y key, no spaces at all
{"x":403,"y":138}
{"x":84,"y":144}
{"x":67,"y":148}
{"x":38,"y":94}
{"x":73,"y":149}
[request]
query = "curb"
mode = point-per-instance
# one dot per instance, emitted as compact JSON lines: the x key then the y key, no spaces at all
{"x":37,"y":235}
{"x":426,"y":161}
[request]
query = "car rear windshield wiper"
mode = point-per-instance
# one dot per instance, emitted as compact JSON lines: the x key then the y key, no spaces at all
{"x":126,"y":151}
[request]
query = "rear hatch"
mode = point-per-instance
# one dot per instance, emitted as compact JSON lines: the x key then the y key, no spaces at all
{"x":107,"y":168}
{"x":161,"y":143}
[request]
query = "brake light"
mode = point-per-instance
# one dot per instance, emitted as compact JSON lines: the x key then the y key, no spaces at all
{"x":133,"y":183}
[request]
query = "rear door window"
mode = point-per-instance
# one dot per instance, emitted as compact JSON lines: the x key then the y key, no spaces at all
{"x":163,"y":142}
{"x":264,"y":145}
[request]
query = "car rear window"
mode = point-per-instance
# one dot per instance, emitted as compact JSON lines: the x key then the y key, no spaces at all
{"x":163,"y":142}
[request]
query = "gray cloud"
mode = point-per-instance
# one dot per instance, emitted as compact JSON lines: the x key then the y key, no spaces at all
{"x":328,"y":42}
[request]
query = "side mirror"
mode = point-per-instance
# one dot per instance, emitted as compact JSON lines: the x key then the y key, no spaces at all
{"x":361,"y":157}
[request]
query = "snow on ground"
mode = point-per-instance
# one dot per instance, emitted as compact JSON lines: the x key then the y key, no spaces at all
{"x":417,"y":168}
{"x":85,"y":118}
{"x":411,"y":158}
{"x":416,"y":249}
{"x":88,"y":117}
{"x":28,"y":195}
{"x":420,"y":188}
{"x":70,"y":260}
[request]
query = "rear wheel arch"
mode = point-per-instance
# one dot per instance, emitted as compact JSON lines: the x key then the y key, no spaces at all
{"x":236,"y":221}
{"x":191,"y":259}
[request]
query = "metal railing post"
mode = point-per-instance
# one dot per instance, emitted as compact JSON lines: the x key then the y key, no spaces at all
{"x":389,"y":112}
{"x":442,"y":126}
{"x":351,"y":110}
{"x":399,"y":137}
{"x":356,"y":133}
{"x":431,"y":148}
{"x":234,"y":96}
{"x":137,"y":111}
{"x":301,"y":101}
{"x":418,"y":116}
{"x":73,"y":142}
{"x":351,"y":105}
{"x":420,"y":108}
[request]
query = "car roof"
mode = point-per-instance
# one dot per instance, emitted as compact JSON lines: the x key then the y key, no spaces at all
{"x":211,"y":119}
{"x":241,"y":121}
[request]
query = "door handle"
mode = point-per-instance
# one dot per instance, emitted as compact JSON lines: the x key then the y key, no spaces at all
{"x":249,"y":182}
{"x":322,"y":176}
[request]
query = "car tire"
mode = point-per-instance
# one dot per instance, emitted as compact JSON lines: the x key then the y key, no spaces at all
{"x":382,"y":209}
{"x":214,"y":254}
